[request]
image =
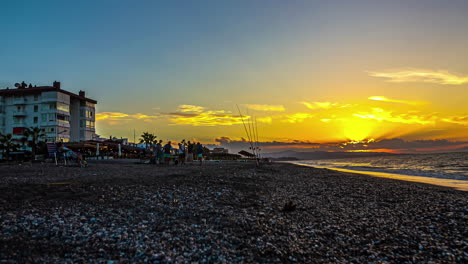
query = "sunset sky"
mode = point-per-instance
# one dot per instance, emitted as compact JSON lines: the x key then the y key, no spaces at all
{"x":385,"y":75}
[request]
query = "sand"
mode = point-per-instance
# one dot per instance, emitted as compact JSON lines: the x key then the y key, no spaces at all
{"x":224,"y":212}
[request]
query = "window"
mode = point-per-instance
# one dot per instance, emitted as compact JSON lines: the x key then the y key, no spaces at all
{"x":47,"y":117}
{"x":36,"y":119}
{"x":63,"y":118}
{"x":49,"y":130}
{"x":89,"y":114}
{"x":36,"y":108}
{"x":36,"y":97}
{"x":17,"y":121}
{"x":50,"y":106}
{"x":63,"y":107}
{"x":89,"y":124}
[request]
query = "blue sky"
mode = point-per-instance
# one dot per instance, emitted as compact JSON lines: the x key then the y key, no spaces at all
{"x":150,"y":57}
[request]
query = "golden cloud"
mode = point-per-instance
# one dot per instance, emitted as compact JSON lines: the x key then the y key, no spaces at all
{"x":267,"y":120}
{"x":461,"y":120}
{"x":407,"y":118}
{"x":440,"y":77}
{"x":110,"y":116}
{"x":297,"y":117}
{"x":318,"y":105}
{"x":198,"y":116}
{"x":385,"y":99}
{"x":260,"y":107}
{"x":191,"y":108}
{"x":117,"y":116}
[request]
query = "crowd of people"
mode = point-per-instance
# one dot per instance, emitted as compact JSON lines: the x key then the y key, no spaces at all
{"x":186,"y":152}
{"x":159,"y":153}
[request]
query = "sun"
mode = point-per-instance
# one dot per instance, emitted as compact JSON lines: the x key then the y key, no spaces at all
{"x":357,"y":129}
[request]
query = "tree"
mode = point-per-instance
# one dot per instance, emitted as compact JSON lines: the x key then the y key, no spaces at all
{"x":147,"y":138}
{"x":36,"y":134}
{"x":7,"y":144}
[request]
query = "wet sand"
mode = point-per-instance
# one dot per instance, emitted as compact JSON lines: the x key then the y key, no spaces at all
{"x":224,"y":212}
{"x":457,"y":184}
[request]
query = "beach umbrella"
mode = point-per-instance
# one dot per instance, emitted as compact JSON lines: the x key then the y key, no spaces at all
{"x":120,"y":150}
{"x":97,"y":149}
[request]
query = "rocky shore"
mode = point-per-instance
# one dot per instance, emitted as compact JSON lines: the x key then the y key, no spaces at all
{"x":224,"y":213}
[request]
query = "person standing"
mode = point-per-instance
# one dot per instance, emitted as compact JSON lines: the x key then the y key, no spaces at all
{"x":190,"y":152}
{"x":159,"y":152}
{"x":200,"y":152}
{"x":167,"y":152}
{"x":182,"y":152}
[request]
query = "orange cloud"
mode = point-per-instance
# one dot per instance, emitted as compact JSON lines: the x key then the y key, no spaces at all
{"x":260,"y":107}
{"x":417,"y":75}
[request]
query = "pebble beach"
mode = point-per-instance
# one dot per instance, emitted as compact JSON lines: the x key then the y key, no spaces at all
{"x":224,"y":212}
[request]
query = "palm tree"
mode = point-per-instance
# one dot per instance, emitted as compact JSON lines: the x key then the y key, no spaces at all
{"x":36,"y":134}
{"x":24,"y":139}
{"x":7,"y":144}
{"x":147,"y":138}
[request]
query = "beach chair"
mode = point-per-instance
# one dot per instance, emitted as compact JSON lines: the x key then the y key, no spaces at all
{"x":53,"y":151}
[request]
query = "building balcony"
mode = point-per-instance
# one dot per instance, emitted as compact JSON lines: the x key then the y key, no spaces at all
{"x":54,"y":111}
{"x":20,"y":101}
{"x":88,"y":129}
{"x":56,"y":123}
{"x":48,"y":99}
{"x":20,"y":113}
{"x":19,"y":124}
{"x":54,"y":134}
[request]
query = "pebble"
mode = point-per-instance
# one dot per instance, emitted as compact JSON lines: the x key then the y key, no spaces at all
{"x":143,"y":213}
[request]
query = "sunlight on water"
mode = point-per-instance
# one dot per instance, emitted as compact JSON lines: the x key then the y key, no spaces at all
{"x":446,"y":169}
{"x":457,"y":184}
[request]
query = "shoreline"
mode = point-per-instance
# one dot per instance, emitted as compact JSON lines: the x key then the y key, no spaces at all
{"x":224,"y":212}
{"x":452,"y":183}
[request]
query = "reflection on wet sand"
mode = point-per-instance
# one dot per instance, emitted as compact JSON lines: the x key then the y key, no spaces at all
{"x":457,"y":184}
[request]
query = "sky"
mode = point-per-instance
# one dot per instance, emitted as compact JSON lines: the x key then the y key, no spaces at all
{"x":311,"y":75}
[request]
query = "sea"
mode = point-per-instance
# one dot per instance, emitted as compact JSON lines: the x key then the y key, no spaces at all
{"x":447,"y":169}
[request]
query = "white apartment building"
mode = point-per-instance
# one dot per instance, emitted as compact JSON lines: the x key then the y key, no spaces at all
{"x":64,"y":116}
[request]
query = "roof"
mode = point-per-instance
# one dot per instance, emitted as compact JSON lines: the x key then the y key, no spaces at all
{"x":40,"y":89}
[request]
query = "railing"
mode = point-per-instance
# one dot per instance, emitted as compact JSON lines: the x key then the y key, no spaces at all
{"x":20,"y":101}
{"x":19,"y":113}
{"x":48,"y":99}
{"x":55,"y":123}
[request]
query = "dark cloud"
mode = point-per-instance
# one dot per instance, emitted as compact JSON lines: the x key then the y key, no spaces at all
{"x":390,"y":145}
